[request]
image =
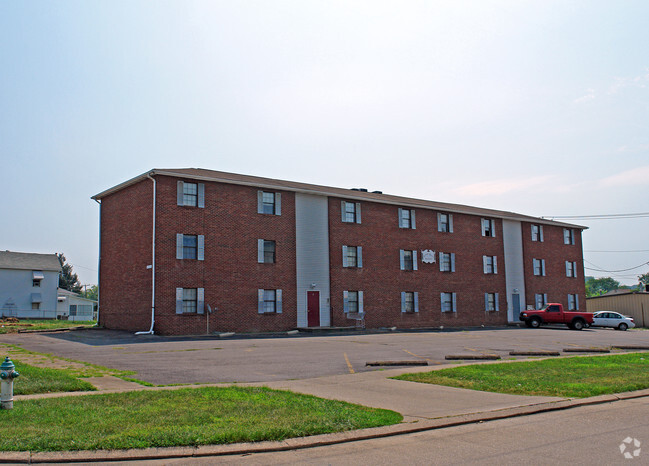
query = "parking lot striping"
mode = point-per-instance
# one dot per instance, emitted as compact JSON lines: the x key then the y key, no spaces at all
{"x":349,"y":364}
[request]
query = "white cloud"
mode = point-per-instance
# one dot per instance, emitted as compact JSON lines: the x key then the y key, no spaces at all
{"x":635,"y":148}
{"x":636,"y":176}
{"x":641,"y":81}
{"x":590,"y":95}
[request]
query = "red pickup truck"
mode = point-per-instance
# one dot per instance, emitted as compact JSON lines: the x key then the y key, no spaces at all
{"x":553,"y":313}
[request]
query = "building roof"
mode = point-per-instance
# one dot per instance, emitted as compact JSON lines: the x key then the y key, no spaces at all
{"x":201,"y":174}
{"x":620,"y":293}
{"x":29,"y":261}
{"x":63,"y":293}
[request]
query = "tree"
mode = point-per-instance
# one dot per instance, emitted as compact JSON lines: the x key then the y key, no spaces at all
{"x":644,"y":279}
{"x":91,"y":293}
{"x":68,"y":280}
{"x":599,"y":286}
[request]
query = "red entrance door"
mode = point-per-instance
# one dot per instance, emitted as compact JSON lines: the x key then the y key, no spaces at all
{"x":313,"y":308}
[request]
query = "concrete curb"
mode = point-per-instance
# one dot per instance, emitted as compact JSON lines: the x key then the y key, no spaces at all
{"x":309,"y":442}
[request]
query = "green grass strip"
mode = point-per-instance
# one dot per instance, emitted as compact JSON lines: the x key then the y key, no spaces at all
{"x":183,"y":417}
{"x":576,"y":377}
{"x":44,"y":324}
{"x":35,"y":380}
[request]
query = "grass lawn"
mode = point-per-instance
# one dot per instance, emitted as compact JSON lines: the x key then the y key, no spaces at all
{"x":44,"y":380}
{"x":182,"y":417}
{"x":575,"y":377}
{"x":41,"y":324}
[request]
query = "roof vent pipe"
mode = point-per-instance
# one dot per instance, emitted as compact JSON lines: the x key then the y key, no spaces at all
{"x":150,"y":332}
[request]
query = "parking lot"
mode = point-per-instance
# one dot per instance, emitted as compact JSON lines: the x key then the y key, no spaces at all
{"x":167,"y":360}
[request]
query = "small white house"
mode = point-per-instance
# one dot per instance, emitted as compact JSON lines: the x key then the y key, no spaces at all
{"x":72,"y":306}
{"x":28,"y":285}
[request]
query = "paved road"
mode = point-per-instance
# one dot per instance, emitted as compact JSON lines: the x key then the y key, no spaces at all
{"x":588,"y":435}
{"x":163,"y":360}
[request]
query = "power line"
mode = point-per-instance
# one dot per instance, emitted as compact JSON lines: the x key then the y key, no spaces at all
{"x":613,"y":271}
{"x":631,"y":250}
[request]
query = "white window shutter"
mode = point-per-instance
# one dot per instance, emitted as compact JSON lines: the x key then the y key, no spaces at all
{"x":179,"y":195}
{"x":359,"y":257}
{"x":493,"y":227}
{"x":543,"y":267}
{"x":486,"y":302}
{"x":441,"y":261}
{"x":496,"y":301}
{"x":401,"y":225}
{"x":568,"y":269}
{"x":278,"y":301}
{"x":541,"y":233}
{"x":260,"y":202}
{"x":439,"y":221}
{"x":260,"y":251}
{"x":343,"y":210}
{"x":179,"y":300}
{"x":484,"y":264}
{"x":201,"y":195}
{"x":577,"y":302}
{"x":450,"y":223}
{"x":358,"y":212}
{"x":545,"y":298}
{"x":574,"y":269}
{"x":401,"y":260}
{"x":201,"y":247}
{"x":360,"y":301}
{"x":403,"y":301}
{"x":454,"y":302}
{"x":414,"y":260}
{"x":412,"y":219}
{"x":345,"y":262}
{"x":278,"y":203}
{"x":416,"y":295}
{"x":484,"y":232}
{"x":200,"y":304}
{"x":179,"y":245}
{"x":260,"y":301}
{"x":345,"y":301}
{"x":452,"y":262}
{"x":495,"y":264}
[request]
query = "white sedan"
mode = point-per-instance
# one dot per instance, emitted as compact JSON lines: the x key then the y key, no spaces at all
{"x":612,"y":319}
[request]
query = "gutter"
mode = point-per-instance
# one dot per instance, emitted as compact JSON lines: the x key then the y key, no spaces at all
{"x":150,"y":331}
{"x":98,"y":262}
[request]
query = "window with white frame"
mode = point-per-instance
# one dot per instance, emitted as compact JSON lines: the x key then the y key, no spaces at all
{"x":445,"y":222}
{"x":409,"y":301}
{"x":568,"y":236}
{"x":407,"y":218}
{"x":449,"y":302}
{"x":353,"y":301}
{"x":447,"y":261}
{"x":269,"y":203}
{"x":488,"y":227}
{"x":190,"y":300}
{"x":190,"y":246}
{"x":351,"y":212}
{"x":191,"y":194}
{"x":269,"y":301}
{"x":352,"y":256}
{"x":573,"y":302}
{"x":537,"y":233}
{"x":491,"y":302}
{"x":408,"y":259}
{"x":539,"y":267}
{"x":265,"y":251}
{"x":571,"y":269}
{"x":540,"y":300}
{"x":490,"y":264}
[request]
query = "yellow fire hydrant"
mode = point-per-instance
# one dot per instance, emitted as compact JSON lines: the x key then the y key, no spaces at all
{"x":7,"y":376}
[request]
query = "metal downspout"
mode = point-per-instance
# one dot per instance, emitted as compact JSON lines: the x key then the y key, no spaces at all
{"x":150,"y":331}
{"x":98,"y":264}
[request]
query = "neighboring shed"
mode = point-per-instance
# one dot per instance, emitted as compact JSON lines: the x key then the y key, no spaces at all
{"x":72,"y":306}
{"x":28,"y":284}
{"x":633,"y":304}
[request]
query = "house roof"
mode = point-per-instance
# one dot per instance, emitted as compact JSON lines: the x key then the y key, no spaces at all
{"x":201,"y":174}
{"x":619,"y":293}
{"x":63,"y":293}
{"x":29,"y":261}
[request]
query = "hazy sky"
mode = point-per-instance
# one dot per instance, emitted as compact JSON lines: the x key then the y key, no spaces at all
{"x":537,"y":107}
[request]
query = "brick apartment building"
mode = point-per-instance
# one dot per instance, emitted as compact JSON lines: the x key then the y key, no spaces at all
{"x":272,"y":255}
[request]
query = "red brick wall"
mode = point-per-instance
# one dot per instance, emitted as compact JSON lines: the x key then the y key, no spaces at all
{"x":555,"y":283}
{"x":230,"y":273}
{"x":126,"y":234}
{"x":382,"y":281}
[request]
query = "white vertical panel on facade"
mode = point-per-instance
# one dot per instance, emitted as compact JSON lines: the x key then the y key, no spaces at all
{"x":514,"y":271}
{"x":312,"y":254}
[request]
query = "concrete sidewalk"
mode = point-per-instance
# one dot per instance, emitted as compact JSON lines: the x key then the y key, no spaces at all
{"x":423,"y":406}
